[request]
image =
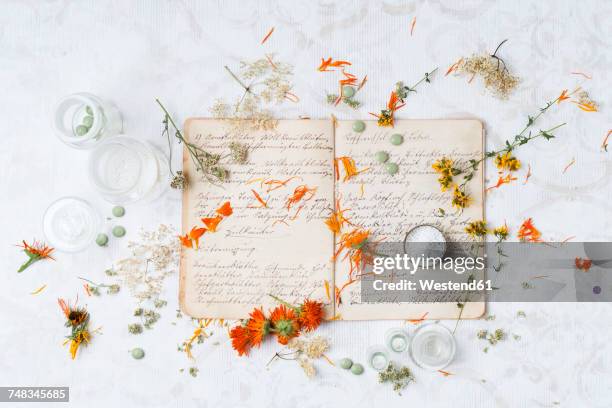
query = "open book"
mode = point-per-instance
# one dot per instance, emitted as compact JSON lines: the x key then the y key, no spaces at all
{"x":275,"y":245}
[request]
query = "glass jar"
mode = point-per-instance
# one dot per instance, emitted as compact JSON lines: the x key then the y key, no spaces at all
{"x":397,"y":340}
{"x":378,"y":358}
{"x":124,"y":169}
{"x":71,"y":224}
{"x":82,"y":119}
{"x":432,"y":347}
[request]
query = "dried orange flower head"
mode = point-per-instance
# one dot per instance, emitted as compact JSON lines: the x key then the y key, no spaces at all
{"x":285,"y":323}
{"x":310,"y":314}
{"x":528,"y":232}
{"x":241,"y":340}
{"x":258,"y":325}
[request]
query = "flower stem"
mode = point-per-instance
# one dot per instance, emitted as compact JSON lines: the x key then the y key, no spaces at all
{"x":279,"y":300}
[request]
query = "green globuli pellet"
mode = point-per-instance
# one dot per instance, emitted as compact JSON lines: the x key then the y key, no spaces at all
{"x":81,"y":130}
{"x":138,"y":353}
{"x":396,"y":139}
{"x":118,"y":231}
{"x":382,"y":157}
{"x":118,"y":211}
{"x":392,"y":168}
{"x":359,"y":126}
{"x":88,"y":121}
{"x":357,"y":369}
{"x":102,"y":239}
{"x":89,"y":110}
{"x":348,"y":91}
{"x":346,"y":363}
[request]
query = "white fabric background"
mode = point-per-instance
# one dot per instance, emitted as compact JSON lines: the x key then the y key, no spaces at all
{"x":133,"y":51}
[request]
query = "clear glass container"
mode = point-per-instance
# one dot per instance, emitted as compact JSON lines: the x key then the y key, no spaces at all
{"x":432,"y":347}
{"x":81,"y":120}
{"x":70,"y":224}
{"x":378,"y":358}
{"x":397,"y":340}
{"x":124,"y":169}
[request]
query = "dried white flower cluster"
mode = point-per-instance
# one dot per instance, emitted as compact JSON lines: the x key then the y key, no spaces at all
{"x":154,"y":257}
{"x":496,"y":76}
{"x":268,"y":82}
{"x":308,"y":350}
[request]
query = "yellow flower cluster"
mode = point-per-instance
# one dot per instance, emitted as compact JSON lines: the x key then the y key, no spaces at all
{"x":476,"y":229}
{"x":445,"y":168}
{"x":460,"y":198}
{"x":507,"y":162}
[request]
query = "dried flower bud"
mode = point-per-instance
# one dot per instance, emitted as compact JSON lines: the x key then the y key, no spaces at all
{"x":178,"y":181}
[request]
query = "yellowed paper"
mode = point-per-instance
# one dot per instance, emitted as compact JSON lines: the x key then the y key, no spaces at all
{"x":389,"y":205}
{"x":284,"y":248}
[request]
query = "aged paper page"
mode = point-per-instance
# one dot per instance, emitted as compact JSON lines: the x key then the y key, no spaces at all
{"x":282,"y":248}
{"x":389,"y":206}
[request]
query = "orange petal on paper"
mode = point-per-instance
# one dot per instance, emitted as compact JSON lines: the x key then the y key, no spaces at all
{"x":225,"y":210}
{"x":258,"y":198}
{"x":212,"y":223}
{"x":186,"y":241}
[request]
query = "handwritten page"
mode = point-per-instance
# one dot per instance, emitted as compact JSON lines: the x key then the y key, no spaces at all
{"x":390,"y":205}
{"x":277,"y":244}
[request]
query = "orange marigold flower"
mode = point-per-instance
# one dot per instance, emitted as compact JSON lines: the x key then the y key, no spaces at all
{"x":259,"y":326}
{"x":75,"y":316}
{"x":310,"y":314}
{"x":35,"y":253}
{"x":329,"y":63}
{"x":285,"y":324}
{"x":241,"y":340}
{"x":528,"y":232}
{"x":212,"y":223}
{"x":583,"y":264}
{"x":225,"y":210}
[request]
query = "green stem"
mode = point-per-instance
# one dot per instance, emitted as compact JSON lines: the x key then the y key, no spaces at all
{"x":28,"y":263}
{"x":424,"y":78}
{"x":246,"y":88}
{"x":279,"y":300}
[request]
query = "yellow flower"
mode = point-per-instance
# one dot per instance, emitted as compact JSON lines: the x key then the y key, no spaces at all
{"x":443,"y":166}
{"x":445,"y":182}
{"x":477,"y":229}
{"x":460,"y":199}
{"x":507,"y":162}
{"x":80,"y":337}
{"x":501,"y":232}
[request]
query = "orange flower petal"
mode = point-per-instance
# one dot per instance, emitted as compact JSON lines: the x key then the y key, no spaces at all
{"x":225,"y":210}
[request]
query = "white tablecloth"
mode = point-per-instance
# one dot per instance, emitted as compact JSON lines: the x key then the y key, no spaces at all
{"x":134,"y":51}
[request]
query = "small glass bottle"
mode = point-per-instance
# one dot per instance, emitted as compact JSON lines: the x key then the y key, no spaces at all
{"x":82,"y":119}
{"x":397,"y":340}
{"x":378,"y":358}
{"x":70,"y":224}
{"x":124,"y":169}
{"x":432,"y":347}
